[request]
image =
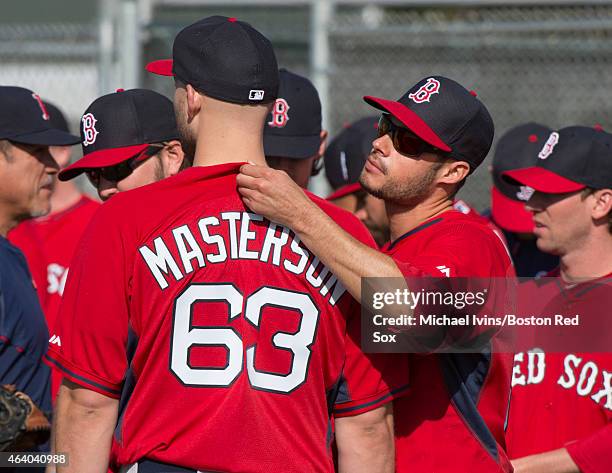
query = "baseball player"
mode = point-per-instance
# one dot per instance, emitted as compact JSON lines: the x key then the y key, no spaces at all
{"x":517,"y":149}
{"x":561,"y":410}
{"x":26,"y":176}
{"x":49,"y":242}
{"x":344,"y":160}
{"x":429,"y":141}
{"x":293,"y":138}
{"x":129,"y":139}
{"x":204,"y":336}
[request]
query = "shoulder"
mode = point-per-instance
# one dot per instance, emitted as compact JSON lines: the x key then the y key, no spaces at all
{"x":346,"y":220}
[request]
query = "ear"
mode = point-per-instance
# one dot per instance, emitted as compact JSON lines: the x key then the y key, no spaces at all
{"x":603,"y":204}
{"x":194,"y":102}
{"x":172,"y":157}
{"x":453,"y":172}
{"x":323,"y":135}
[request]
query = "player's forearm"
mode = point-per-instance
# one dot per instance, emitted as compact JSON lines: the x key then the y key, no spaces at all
{"x":83,"y":429}
{"x":331,"y":244}
{"x":365,"y":442}
{"x":555,"y":461}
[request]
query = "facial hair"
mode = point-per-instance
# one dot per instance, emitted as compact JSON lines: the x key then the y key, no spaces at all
{"x":408,"y":192}
{"x":187,"y":138}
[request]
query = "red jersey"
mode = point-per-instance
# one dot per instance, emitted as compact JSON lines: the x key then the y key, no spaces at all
{"x":453,"y":417}
{"x":49,"y":244}
{"x":570,"y":394}
{"x":228,"y":342}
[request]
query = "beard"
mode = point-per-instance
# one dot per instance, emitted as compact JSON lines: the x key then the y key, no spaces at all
{"x":407,"y":192}
{"x":187,"y":137}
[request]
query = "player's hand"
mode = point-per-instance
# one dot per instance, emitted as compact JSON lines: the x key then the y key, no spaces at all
{"x":273,"y":194}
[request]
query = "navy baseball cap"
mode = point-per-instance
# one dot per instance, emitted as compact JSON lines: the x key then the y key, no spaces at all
{"x":517,"y":148}
{"x":346,"y":155}
{"x":224,"y":58}
{"x":293,"y":128}
{"x":56,"y":117}
{"x":25,"y":119}
{"x":120,"y":126}
{"x":446,"y":115}
{"x":570,"y":160}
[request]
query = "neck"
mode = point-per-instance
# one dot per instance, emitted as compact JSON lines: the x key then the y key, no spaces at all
{"x":229,"y":133}
{"x":593,"y":259}
{"x":65,"y":195}
{"x":402,"y":219}
{"x":7,"y":222}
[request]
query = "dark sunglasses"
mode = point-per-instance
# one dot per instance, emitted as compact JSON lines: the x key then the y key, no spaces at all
{"x":121,"y":170}
{"x":403,"y":139}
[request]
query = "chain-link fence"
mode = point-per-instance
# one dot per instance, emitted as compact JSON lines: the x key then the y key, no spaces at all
{"x":58,"y":61}
{"x":551,"y":64}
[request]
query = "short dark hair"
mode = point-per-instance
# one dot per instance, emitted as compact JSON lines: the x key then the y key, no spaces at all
{"x":5,"y":148}
{"x":587,"y":191}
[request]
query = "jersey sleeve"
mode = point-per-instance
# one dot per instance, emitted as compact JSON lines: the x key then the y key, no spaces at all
{"x":90,"y":336}
{"x":593,"y":454}
{"x":368,"y":381}
{"x":459,"y":252}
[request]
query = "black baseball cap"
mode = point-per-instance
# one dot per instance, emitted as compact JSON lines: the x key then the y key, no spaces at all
{"x":120,"y":126}
{"x":346,"y":155}
{"x":224,"y":58}
{"x":57,"y":119}
{"x":446,"y":115}
{"x":517,"y":148}
{"x":293,"y":127}
{"x":25,"y":119}
{"x":570,"y":160}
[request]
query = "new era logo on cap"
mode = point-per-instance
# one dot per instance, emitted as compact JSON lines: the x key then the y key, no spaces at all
{"x":549,"y":146}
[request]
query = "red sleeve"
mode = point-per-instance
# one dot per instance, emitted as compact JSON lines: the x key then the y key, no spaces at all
{"x":593,"y":454}
{"x":89,"y":340}
{"x":368,"y":380}
{"x":459,"y":251}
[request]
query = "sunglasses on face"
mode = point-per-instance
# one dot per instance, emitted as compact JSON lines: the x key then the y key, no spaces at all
{"x":120,"y":171}
{"x":404,"y":141}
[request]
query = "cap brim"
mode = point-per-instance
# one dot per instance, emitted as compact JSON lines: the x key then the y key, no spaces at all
{"x":161,"y":67}
{"x":100,"y":159}
{"x":410,"y":119}
{"x":292,"y":147}
{"x":344,"y":191}
{"x":510,"y":214}
{"x":542,"y":180}
{"x":49,"y":137}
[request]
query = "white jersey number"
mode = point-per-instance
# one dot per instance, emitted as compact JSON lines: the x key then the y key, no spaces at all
{"x":184,"y":336}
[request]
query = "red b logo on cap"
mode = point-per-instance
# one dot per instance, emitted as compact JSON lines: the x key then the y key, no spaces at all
{"x":279,"y":114}
{"x":429,"y":88}
{"x":89,"y":129}
{"x":45,"y":114}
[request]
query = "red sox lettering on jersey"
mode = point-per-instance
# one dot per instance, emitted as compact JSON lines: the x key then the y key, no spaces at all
{"x":280,"y":115}
{"x":161,"y":263}
{"x":89,"y":129}
{"x":579,"y":373}
{"x":431,"y":87}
